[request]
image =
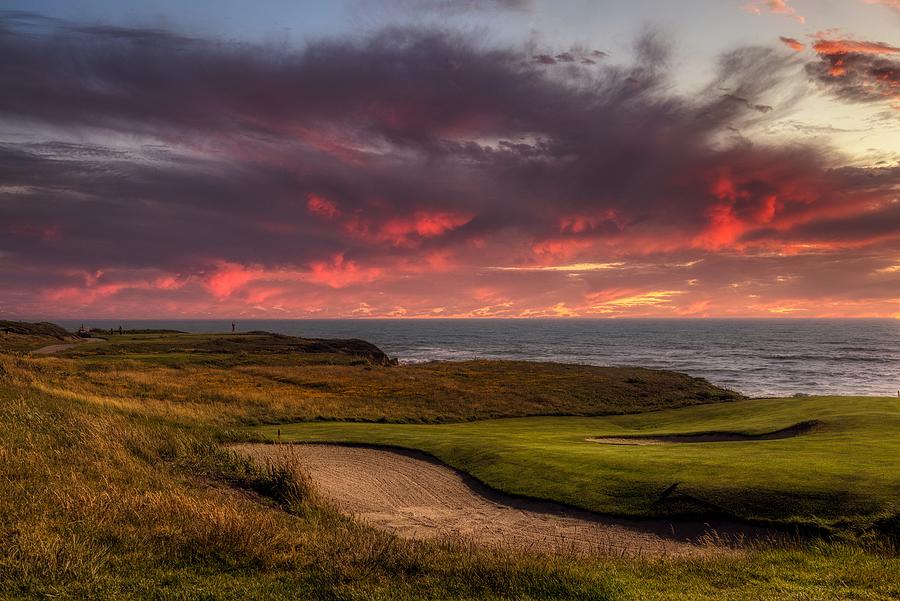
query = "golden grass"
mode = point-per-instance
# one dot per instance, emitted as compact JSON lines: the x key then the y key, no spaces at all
{"x":261,"y":392}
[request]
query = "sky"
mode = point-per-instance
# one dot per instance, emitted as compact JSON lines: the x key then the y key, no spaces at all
{"x":449,"y":158}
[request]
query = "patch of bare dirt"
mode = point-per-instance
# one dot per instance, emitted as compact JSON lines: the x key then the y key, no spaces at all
{"x":418,"y":497}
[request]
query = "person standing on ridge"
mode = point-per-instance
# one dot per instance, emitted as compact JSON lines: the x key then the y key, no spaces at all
{"x":232,"y":327}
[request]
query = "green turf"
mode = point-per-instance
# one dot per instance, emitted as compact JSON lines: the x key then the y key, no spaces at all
{"x":845,"y":473}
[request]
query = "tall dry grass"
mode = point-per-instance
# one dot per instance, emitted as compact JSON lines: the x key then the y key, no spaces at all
{"x":97,"y":491}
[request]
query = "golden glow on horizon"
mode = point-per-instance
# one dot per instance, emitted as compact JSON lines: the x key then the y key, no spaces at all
{"x":570,"y":267}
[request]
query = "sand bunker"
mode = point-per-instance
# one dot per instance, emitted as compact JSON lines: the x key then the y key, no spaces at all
{"x":643,"y":440}
{"x":418,"y":497}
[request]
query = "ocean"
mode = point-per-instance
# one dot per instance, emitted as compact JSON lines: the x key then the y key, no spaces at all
{"x":757,"y":357}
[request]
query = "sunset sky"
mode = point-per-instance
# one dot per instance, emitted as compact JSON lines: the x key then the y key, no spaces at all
{"x":449,"y":158}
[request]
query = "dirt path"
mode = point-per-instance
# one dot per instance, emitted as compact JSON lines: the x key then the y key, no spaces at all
{"x":418,"y":497}
{"x":55,"y":348}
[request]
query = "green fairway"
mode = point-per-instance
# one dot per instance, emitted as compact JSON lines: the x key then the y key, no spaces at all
{"x":846,"y":472}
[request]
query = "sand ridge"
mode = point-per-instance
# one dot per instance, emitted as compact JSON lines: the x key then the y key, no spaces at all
{"x":418,"y":497}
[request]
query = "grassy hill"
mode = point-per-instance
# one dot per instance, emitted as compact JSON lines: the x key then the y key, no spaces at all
{"x":20,"y":336}
{"x":269,"y":378}
{"x":173,"y":345}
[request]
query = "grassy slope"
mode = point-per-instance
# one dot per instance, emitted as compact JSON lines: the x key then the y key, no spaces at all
{"x":263,"y":384}
{"x":17,"y":336}
{"x":848,"y":470}
{"x":256,"y":343}
{"x":112,"y":485}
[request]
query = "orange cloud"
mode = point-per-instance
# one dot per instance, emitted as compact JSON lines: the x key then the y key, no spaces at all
{"x":778,"y":7}
{"x":793,"y":43}
{"x":622,"y":301}
{"x":888,"y":3}
{"x":834,"y":47}
{"x":858,"y":71}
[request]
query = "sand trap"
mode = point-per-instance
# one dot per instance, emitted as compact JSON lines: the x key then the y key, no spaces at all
{"x":417,"y":497}
{"x":643,"y":440}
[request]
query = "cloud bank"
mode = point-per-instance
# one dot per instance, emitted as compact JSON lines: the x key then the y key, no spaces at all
{"x":421,"y":172}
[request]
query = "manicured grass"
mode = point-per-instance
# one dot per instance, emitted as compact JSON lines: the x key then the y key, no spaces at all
{"x":844,"y":473}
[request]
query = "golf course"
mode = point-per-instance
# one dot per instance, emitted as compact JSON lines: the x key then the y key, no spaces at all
{"x":843,"y":471}
{"x":159,"y":464}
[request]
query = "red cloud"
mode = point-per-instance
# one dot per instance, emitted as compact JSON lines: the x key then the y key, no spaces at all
{"x":340,"y":272}
{"x":408,"y":230}
{"x":101,"y":286}
{"x":578,"y":224}
{"x":427,"y":224}
{"x":229,"y":277}
{"x":560,"y":249}
{"x":322,"y":207}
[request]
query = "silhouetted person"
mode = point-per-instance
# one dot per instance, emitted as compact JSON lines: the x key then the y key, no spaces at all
{"x":232,"y":327}
{"x":120,"y":330}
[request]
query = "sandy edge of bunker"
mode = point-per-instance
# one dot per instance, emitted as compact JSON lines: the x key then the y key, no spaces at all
{"x":416,"y":496}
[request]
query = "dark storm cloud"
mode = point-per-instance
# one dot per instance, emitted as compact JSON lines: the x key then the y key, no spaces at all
{"x":137,"y":35}
{"x":873,"y":226}
{"x":411,"y":147}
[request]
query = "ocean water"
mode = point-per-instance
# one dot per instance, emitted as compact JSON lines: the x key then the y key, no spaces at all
{"x":757,"y":357}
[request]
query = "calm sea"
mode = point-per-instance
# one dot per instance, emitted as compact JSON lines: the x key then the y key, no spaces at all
{"x":758,"y":357}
